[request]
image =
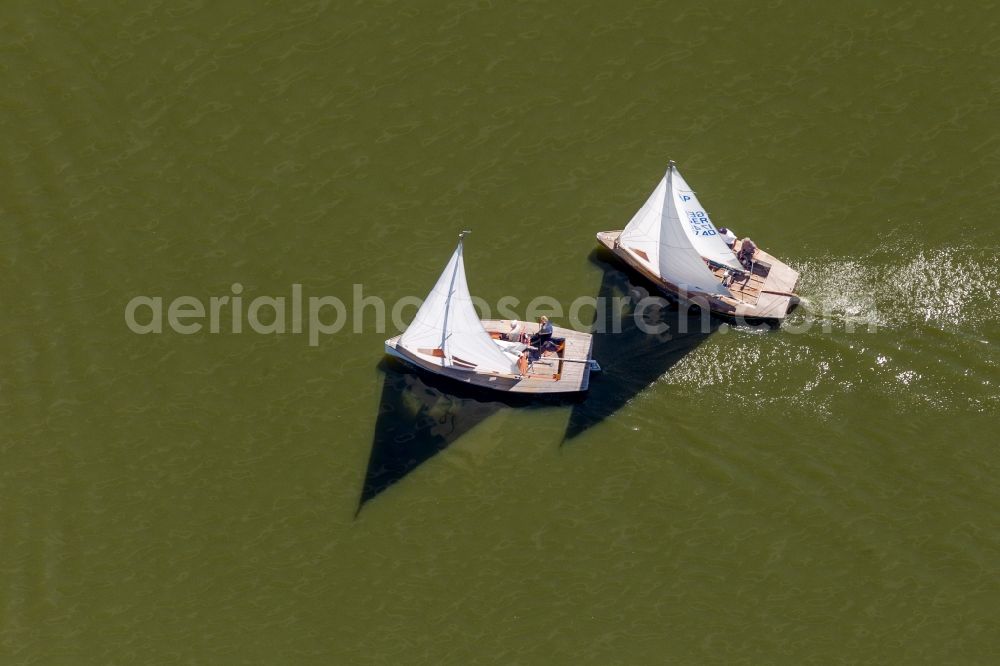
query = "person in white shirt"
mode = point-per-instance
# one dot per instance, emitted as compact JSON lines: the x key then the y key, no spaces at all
{"x":727,"y":236}
{"x":514,"y":334}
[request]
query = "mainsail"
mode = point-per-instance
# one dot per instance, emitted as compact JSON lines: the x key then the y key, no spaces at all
{"x":447,"y":321}
{"x":669,"y":245}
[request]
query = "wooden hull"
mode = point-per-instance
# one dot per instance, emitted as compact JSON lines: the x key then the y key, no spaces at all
{"x":569,"y":373}
{"x":767,"y":295}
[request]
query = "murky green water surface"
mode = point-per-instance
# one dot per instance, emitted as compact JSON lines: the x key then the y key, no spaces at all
{"x":822,"y":494}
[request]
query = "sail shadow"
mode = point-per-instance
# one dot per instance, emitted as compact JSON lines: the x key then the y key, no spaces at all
{"x":419,"y":415}
{"x":631,"y":357}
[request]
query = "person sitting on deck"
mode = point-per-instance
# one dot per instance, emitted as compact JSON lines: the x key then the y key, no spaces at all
{"x":514,"y":334}
{"x":746,"y":253}
{"x":544,"y":332}
{"x":728,"y":236}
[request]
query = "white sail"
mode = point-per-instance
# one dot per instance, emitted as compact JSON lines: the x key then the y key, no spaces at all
{"x":642,"y":234}
{"x":447,"y":321}
{"x":657,"y":235}
{"x":704,"y":236}
{"x":680,"y":261}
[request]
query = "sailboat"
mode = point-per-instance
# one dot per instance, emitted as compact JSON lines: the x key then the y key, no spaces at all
{"x":672,"y":242}
{"x":446,"y":337}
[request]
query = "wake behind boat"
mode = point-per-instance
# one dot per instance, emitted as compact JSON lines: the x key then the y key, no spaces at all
{"x":672,"y":242}
{"x":447,"y":338}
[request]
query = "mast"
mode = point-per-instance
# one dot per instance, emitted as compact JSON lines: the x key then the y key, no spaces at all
{"x":445,"y":334}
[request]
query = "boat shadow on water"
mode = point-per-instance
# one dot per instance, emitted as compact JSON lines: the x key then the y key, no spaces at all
{"x":634,"y":358}
{"x":420,"y":415}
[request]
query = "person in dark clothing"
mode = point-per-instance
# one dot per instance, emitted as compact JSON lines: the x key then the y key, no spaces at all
{"x":746,"y":253}
{"x":544,"y":332}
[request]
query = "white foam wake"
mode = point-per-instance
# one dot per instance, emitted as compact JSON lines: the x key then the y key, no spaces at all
{"x":945,"y":287}
{"x":911,"y":325}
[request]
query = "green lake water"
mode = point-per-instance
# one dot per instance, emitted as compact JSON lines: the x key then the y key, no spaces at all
{"x":824,"y":493}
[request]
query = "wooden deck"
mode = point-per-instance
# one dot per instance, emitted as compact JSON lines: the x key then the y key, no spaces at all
{"x":746,"y":289}
{"x":565,"y":372}
{"x":765,"y":294}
